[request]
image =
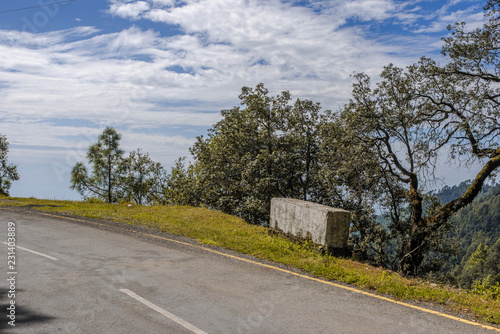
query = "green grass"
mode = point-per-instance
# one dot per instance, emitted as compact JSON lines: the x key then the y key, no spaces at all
{"x":215,"y":228}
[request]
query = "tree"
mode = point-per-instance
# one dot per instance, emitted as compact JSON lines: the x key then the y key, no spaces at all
{"x":262,"y":149}
{"x":106,"y":179}
{"x":237,"y":164}
{"x":8,"y":172}
{"x":464,"y":97}
{"x":465,"y":92}
{"x":144,"y":181}
{"x":353,"y":179}
{"x":388,"y":122}
{"x":182,"y":186}
{"x":474,"y":268}
{"x":301,"y":144}
{"x":492,"y":264}
{"x":413,"y":116}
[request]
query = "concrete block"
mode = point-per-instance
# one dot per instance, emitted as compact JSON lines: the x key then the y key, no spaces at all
{"x":324,"y":225}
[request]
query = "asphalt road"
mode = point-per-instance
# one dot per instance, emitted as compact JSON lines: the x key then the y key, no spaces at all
{"x":78,"y":277}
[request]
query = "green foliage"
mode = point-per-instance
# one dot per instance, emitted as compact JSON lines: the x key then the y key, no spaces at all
{"x":144,"y":181}
{"x":105,"y":179}
{"x":472,"y":226}
{"x":8,"y":172}
{"x":265,"y":148}
{"x":182,"y":187}
{"x":473,"y":269}
{"x":486,"y":289}
{"x":351,"y":179}
{"x":117,"y":179}
{"x":482,"y":269}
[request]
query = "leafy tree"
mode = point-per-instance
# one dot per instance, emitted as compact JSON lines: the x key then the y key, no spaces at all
{"x":265,"y":148}
{"x":474,"y":268}
{"x":352,"y":179}
{"x":182,"y":187}
{"x":106,"y":179}
{"x":144,"y":180}
{"x":413,"y":116}
{"x":8,"y":172}
{"x":237,"y":162}
{"x":492,"y":264}
{"x":388,"y":123}
{"x":301,"y":145}
{"x":465,"y":92}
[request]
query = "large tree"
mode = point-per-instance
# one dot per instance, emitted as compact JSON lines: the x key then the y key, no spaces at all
{"x":414,"y":116}
{"x":388,"y":123}
{"x":8,"y":172}
{"x":238,"y":163}
{"x":353,"y":179}
{"x":262,"y":149}
{"x":106,"y":178}
{"x":465,"y":94}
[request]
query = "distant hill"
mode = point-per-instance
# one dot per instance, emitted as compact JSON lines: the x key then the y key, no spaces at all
{"x":475,"y":225}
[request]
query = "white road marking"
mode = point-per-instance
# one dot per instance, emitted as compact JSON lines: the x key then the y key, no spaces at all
{"x":169,"y":315}
{"x":35,"y":252}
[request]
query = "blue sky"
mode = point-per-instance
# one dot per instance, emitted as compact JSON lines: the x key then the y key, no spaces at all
{"x":160,"y":71}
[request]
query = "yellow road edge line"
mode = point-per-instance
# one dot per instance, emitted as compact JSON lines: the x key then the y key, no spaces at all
{"x":422,"y":309}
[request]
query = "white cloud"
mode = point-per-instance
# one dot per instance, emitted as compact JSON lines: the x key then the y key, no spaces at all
{"x":14,"y":37}
{"x":145,"y":82}
{"x":128,"y":10}
{"x":474,"y":20}
{"x":367,"y":10}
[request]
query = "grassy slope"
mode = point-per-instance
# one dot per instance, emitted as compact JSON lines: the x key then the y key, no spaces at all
{"x":214,"y":228}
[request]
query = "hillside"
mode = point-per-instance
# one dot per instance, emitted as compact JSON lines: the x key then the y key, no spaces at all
{"x":475,"y":225}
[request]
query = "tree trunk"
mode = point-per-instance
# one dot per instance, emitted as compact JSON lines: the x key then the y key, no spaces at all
{"x":109,"y":179}
{"x":413,"y":251}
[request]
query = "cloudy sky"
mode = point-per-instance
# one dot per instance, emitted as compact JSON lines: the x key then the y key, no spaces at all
{"x":160,"y":71}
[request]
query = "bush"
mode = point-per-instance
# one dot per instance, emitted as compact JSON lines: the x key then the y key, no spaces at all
{"x":486,"y":289}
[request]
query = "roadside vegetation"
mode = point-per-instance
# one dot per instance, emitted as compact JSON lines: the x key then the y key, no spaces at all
{"x":210,"y":227}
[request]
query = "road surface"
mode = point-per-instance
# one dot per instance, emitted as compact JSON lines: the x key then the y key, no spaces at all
{"x":85,"y":276}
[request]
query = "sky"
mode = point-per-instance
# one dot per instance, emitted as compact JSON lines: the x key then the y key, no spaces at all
{"x":160,"y":71}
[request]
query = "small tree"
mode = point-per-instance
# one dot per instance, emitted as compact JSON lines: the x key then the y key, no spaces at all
{"x":182,"y":186}
{"x":8,"y":172}
{"x":474,"y":268}
{"x":144,"y":181}
{"x":105,"y":180}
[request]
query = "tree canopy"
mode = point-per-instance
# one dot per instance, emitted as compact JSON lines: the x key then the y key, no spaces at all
{"x":414,"y":115}
{"x":104,"y":181}
{"x":114,"y":178}
{"x":265,"y":148}
{"x":8,"y":172}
